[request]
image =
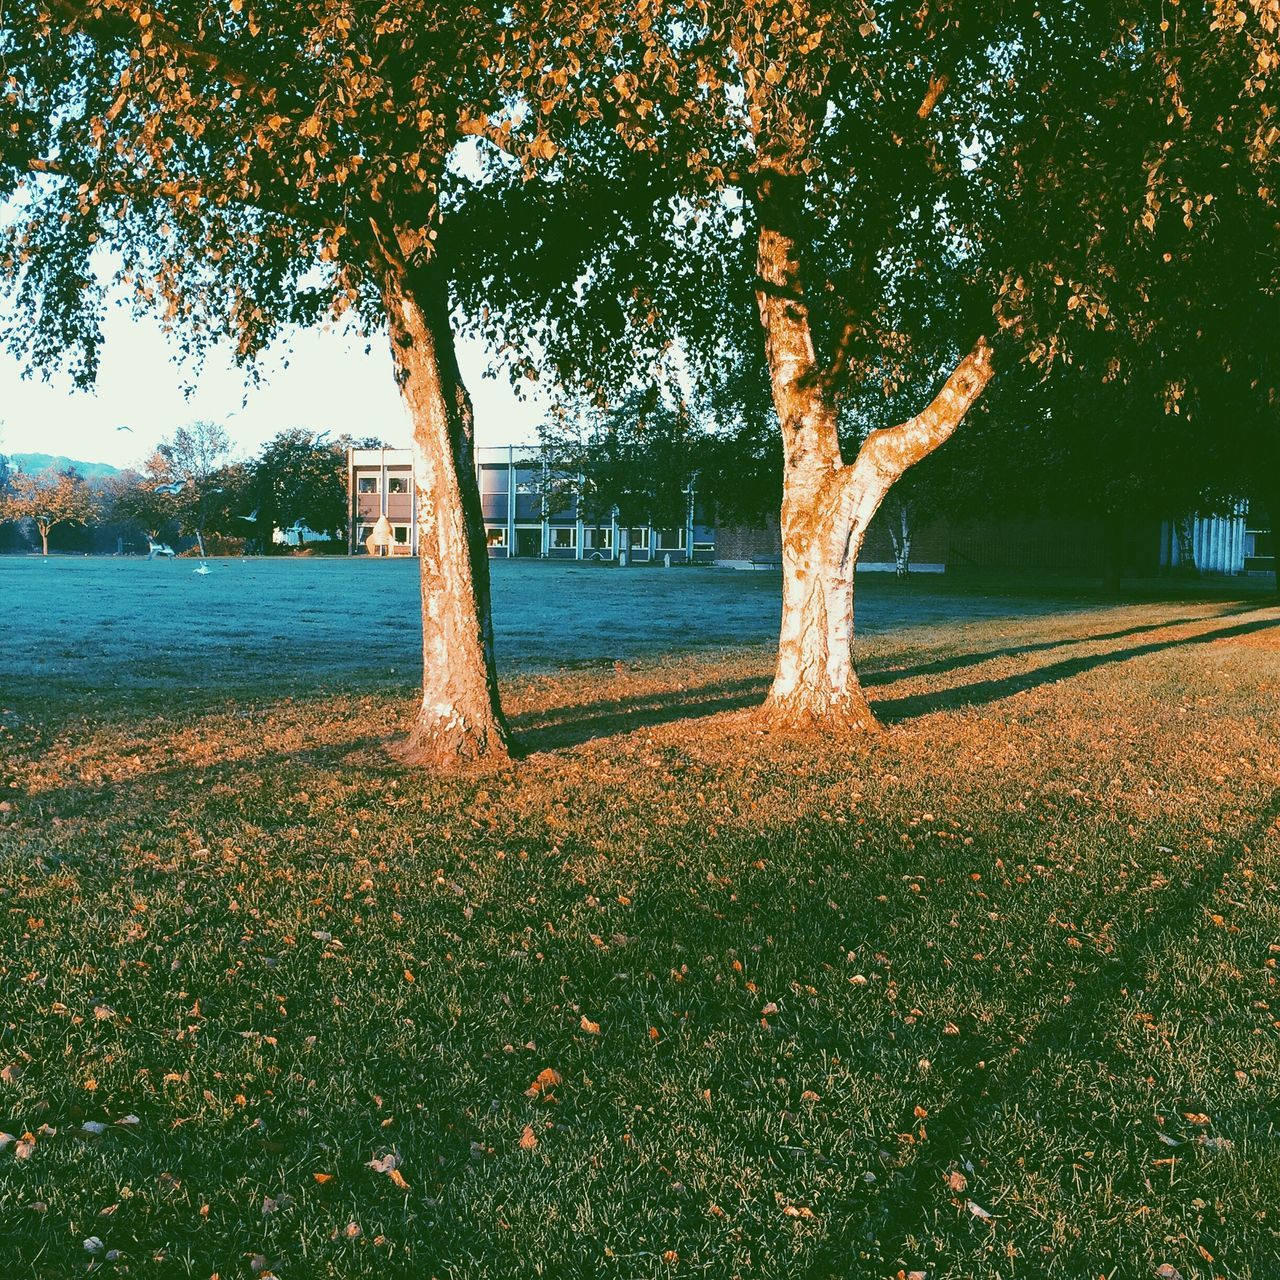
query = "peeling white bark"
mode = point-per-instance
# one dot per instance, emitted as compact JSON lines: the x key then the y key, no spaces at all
{"x":459,"y":718}
{"x":828,"y":504}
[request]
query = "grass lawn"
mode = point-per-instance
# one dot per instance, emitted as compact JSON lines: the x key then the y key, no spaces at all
{"x":992,"y":994}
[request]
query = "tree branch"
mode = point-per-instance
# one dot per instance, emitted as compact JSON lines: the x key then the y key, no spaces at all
{"x":937,"y":87}
{"x":892,"y":450}
{"x":219,"y":62}
{"x":173,"y":188}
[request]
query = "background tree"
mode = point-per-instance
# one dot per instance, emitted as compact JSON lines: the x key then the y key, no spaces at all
{"x":633,"y":459}
{"x":300,"y":479}
{"x":48,"y":499}
{"x":131,"y":498}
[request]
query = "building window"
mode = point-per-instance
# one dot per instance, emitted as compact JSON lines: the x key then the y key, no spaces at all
{"x":597,"y":539}
{"x":564,"y":538}
{"x":367,"y":484}
{"x":397,"y":484}
{"x":496,"y":536}
{"x":671,"y":539}
{"x":362,"y":534}
{"x":402,"y":533}
{"x":638,"y":539}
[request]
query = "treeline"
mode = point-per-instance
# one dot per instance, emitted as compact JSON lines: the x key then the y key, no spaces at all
{"x":189,"y":492}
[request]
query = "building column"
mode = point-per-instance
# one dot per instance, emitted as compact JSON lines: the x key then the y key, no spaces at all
{"x":413,"y":512}
{"x":578,"y":525}
{"x":511,"y":501}
{"x":351,"y":501}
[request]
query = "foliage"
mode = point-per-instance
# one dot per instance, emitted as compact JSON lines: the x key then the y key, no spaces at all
{"x":48,"y":500}
{"x":635,"y":457}
{"x":130,"y":498}
{"x":296,"y":478}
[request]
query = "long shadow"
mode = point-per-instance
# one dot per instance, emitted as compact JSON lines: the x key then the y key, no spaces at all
{"x":80,"y":799}
{"x":895,"y":710}
{"x":941,"y":666}
{"x":989,"y":1078}
{"x":582,"y":722}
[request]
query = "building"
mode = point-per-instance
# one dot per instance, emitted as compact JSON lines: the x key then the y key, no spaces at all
{"x":1237,"y":542}
{"x":531,"y":511}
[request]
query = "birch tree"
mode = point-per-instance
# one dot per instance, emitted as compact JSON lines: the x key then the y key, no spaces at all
{"x":1025,"y":164}
{"x":255,"y":164}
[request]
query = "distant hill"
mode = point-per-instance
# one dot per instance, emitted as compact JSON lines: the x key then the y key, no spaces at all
{"x":33,"y":462}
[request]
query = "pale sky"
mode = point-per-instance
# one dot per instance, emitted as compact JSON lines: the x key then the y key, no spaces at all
{"x":330,"y":383}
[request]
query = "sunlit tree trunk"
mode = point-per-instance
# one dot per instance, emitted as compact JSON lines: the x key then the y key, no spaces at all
{"x":827,"y":504}
{"x":44,"y":538}
{"x":460,"y":718}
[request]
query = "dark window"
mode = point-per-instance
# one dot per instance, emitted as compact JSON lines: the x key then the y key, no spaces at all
{"x":397,"y":484}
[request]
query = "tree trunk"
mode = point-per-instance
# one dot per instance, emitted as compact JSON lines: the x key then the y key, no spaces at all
{"x":900,"y":536}
{"x":1184,"y":532}
{"x":826,"y":503}
{"x":1113,"y":552}
{"x":44,"y":539}
{"x":460,"y":718}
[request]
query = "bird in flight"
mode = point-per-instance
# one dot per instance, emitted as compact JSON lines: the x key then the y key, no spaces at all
{"x":128,"y":429}
{"x":202,"y":570}
{"x":176,"y":487}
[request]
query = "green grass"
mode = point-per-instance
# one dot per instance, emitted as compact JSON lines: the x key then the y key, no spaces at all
{"x":1024,"y":941}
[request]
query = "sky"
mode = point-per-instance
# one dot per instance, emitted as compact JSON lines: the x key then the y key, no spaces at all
{"x":324,"y":380}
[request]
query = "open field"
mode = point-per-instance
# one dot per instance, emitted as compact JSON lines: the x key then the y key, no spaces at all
{"x":992,"y":994}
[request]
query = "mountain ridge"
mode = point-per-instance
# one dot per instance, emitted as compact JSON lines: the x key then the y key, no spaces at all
{"x":35,"y":462}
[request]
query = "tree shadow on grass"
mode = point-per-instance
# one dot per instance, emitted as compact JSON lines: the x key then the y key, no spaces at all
{"x":979,"y":693}
{"x":583,"y":722}
{"x":989,"y":1079}
{"x":941,"y":666}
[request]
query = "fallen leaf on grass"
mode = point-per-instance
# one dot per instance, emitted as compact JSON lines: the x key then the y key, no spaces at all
{"x":544,"y":1082}
{"x":977,"y":1210}
{"x":591,"y":1028}
{"x":322,"y":1178}
{"x":957,"y":1182}
{"x":1167,"y":1271}
{"x":528,"y":1139}
{"x":388,"y":1164}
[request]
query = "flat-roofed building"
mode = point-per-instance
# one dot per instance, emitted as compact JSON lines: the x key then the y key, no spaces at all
{"x":531,"y":509}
